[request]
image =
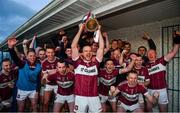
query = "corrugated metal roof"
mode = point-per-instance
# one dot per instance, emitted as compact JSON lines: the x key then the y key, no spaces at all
{"x":113,"y":14}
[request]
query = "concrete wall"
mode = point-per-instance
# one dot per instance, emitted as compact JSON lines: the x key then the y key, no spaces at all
{"x":134,"y":34}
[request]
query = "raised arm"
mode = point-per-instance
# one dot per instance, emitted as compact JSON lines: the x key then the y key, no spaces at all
{"x":25,"y":48}
{"x":100,"y":51}
{"x":172,"y":53}
{"x":32,"y":42}
{"x":121,"y":59}
{"x":74,"y":45}
{"x":175,"y":48}
{"x":149,"y":40}
{"x":11,"y":43}
{"x":107,"y":46}
{"x":129,"y":67}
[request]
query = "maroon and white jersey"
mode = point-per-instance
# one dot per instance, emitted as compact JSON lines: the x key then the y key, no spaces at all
{"x":65,"y":83}
{"x":86,"y":77}
{"x":106,"y":80}
{"x":5,"y":90}
{"x":130,"y":95}
{"x":143,"y":74}
{"x":157,"y":74}
{"x":49,"y":67}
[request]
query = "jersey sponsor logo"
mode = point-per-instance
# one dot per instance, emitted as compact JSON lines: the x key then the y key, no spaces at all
{"x":157,"y":68}
{"x":107,"y":82}
{"x":141,"y":79}
{"x":130,"y":97}
{"x":89,"y":71}
{"x":66,"y":84}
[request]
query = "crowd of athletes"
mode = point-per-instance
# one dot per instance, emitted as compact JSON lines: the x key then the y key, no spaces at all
{"x":81,"y":75}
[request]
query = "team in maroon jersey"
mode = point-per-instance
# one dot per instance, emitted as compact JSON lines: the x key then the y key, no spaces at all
{"x":8,"y":77}
{"x":65,"y":81}
{"x":129,"y":94}
{"x":82,"y":84}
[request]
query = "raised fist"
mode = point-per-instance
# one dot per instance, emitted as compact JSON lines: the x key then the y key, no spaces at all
{"x":124,"y":52}
{"x":25,"y":41}
{"x":146,"y":36}
{"x":12,"y":42}
{"x":105,"y":34}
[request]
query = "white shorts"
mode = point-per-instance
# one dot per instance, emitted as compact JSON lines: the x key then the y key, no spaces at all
{"x":62,"y":98}
{"x":82,"y":103}
{"x":141,"y":99}
{"x":128,"y":107}
{"x":103,"y":98}
{"x":163,"y":96}
{"x":42,"y":90}
{"x":51,"y":88}
{"x":22,"y":95}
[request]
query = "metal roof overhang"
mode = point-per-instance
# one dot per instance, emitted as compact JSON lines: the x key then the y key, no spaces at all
{"x":65,"y":14}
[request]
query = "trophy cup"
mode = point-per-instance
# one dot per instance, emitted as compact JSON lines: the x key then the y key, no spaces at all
{"x":91,"y":25}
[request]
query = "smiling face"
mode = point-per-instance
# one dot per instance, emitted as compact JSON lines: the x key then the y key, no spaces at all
{"x":87,"y":53}
{"x":50,"y":54}
{"x":109,"y":65}
{"x":116,"y":54}
{"x":132,"y":79}
{"x":152,"y":55}
{"x":31,"y":57}
{"x":61,"y":67}
{"x":6,"y":66}
{"x":138,"y":61}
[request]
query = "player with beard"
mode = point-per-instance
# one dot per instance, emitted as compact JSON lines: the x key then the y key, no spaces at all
{"x":7,"y":81}
{"x":86,"y":74}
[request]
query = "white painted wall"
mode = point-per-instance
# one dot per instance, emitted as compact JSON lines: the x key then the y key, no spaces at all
{"x":134,"y":34}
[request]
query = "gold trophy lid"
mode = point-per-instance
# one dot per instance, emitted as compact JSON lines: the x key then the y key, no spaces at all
{"x":91,"y":25}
